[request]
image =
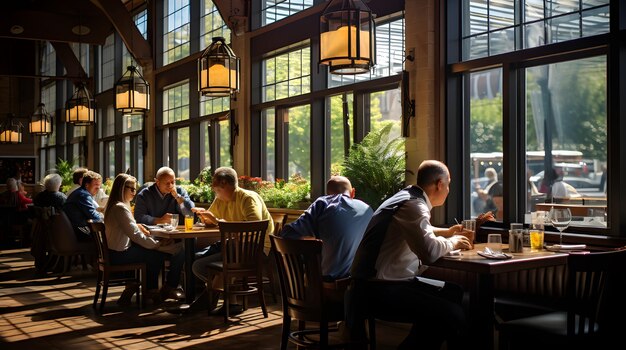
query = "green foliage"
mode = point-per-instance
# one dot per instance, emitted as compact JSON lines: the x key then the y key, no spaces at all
{"x":200,"y":190}
{"x":376,"y":166}
{"x":65,"y":168}
{"x":107,"y":184}
{"x":486,"y":125}
{"x":280,"y":194}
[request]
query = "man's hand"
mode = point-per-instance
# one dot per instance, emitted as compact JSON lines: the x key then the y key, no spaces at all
{"x":174,"y":194}
{"x":165,"y":219}
{"x":461,"y":242}
{"x":207,"y":215}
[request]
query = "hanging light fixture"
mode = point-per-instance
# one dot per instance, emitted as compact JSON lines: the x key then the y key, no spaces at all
{"x":41,"y":121}
{"x":80,"y":110}
{"x":11,"y":131}
{"x":347,"y":37}
{"x":132,"y":93}
{"x":218,"y":70}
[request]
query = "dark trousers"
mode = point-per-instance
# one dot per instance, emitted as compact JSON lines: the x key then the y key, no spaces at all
{"x":154,"y":263}
{"x":436,"y":313}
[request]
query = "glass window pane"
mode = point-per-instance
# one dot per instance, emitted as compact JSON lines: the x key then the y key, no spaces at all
{"x":108,"y":63}
{"x":341,"y":125}
{"x":486,"y":144}
{"x":566,"y":112}
{"x":204,"y":143}
{"x":211,"y":24}
{"x":300,"y":141}
{"x":288,"y":74}
{"x":132,"y":122}
{"x":224,"y":142}
{"x":268,"y":116}
{"x":110,"y":171}
{"x":182,"y":150}
{"x":176,"y":103}
{"x":127,"y":151}
{"x":176,"y":28}
{"x":385,"y":108}
{"x":275,"y":10}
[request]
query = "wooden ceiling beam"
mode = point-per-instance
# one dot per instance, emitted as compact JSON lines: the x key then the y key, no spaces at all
{"x":123,"y":22}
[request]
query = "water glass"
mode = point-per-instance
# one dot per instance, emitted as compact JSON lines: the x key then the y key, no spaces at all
{"x":516,"y":241}
{"x":494,"y":242}
{"x":174,"y":221}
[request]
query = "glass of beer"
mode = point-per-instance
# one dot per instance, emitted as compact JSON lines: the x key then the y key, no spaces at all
{"x":536,"y":239}
{"x":188,"y":222}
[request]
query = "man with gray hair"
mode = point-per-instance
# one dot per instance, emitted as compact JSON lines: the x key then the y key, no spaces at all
{"x":156,"y":203}
{"x":50,"y":196}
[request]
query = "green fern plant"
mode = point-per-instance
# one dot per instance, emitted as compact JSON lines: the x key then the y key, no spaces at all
{"x":376,"y":166}
{"x":65,"y":168}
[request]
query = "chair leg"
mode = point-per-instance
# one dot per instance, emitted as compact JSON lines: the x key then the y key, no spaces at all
{"x":323,"y":335}
{"x":284,"y":336}
{"x":105,"y":289}
{"x":66,"y":263}
{"x":98,"y":284}
{"x":144,"y":289}
{"x":371,"y":323}
{"x":226,"y":299}
{"x":261,"y":295}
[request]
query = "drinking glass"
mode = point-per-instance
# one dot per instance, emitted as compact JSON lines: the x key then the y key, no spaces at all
{"x":494,"y":242}
{"x":188,"y":222}
{"x":560,"y":218}
{"x":174,"y":221}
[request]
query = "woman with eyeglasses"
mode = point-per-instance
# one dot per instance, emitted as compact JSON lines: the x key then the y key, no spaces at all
{"x":131,"y":243}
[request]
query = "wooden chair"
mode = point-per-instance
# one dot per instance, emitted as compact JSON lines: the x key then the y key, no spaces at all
{"x":578,"y":326}
{"x":64,"y":244}
{"x":242,"y":257}
{"x":280,"y":220}
{"x":106,"y":270}
{"x":302,"y":287}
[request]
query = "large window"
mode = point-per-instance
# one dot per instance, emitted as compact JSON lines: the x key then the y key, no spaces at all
{"x":275,"y":10}
{"x":176,"y":31}
{"x":176,"y":103}
{"x":299,"y":126}
{"x":538,"y":117}
{"x":287,"y":75}
{"x":107,"y":67}
{"x":492,"y":27}
{"x":211,"y":24}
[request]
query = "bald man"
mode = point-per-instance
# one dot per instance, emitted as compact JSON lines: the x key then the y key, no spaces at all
{"x":339,"y":220}
{"x":398,"y":239}
{"x":156,"y":203}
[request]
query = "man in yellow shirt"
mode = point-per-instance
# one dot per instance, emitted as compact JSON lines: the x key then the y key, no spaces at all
{"x":231,"y":203}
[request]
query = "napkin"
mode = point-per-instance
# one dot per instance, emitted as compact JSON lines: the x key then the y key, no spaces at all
{"x":494,"y":256}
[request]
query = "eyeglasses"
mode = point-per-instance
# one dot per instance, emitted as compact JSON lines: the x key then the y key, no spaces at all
{"x":132,"y":189}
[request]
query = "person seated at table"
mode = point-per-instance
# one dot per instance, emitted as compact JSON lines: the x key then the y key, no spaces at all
{"x":398,"y":240}
{"x":50,"y":196}
{"x":81,"y":207}
{"x":231,"y":203}
{"x":339,"y":220}
{"x":131,"y":243}
{"x":77,"y":178}
{"x":13,"y":194}
{"x":156,"y":203}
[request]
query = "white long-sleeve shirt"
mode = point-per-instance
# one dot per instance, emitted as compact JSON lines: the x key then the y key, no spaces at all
{"x":410,"y":237}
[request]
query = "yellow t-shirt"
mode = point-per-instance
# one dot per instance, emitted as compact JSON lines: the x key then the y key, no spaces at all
{"x":246,"y":206}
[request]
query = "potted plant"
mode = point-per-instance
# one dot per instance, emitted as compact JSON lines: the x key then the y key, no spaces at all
{"x":376,"y":166}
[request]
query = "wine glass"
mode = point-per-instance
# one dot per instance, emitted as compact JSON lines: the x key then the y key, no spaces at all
{"x":560,"y":218}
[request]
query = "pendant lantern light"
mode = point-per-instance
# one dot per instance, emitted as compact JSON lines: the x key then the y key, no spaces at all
{"x":132,"y":93}
{"x":80,"y":110}
{"x":11,"y":131}
{"x":347,"y":37}
{"x":41,"y":122}
{"x":218,"y":70}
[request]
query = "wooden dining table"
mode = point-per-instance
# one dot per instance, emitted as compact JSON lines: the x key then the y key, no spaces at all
{"x":211,"y":234}
{"x":482,"y":308}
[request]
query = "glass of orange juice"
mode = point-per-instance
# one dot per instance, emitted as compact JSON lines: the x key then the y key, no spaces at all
{"x":188,"y":222}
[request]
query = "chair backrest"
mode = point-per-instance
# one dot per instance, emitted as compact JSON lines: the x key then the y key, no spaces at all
{"x":280,"y":220}
{"x":62,"y":237}
{"x":587,"y":276}
{"x":99,"y":235}
{"x":299,"y":264}
{"x":242,"y":244}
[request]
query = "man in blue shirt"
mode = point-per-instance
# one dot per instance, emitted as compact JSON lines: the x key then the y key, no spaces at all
{"x":156,"y":203}
{"x":80,"y":205}
{"x":339,"y":221}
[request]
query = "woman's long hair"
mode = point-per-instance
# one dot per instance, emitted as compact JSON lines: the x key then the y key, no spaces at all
{"x":117,"y":190}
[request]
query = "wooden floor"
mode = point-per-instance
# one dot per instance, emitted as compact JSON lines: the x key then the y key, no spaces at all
{"x":54,"y":312}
